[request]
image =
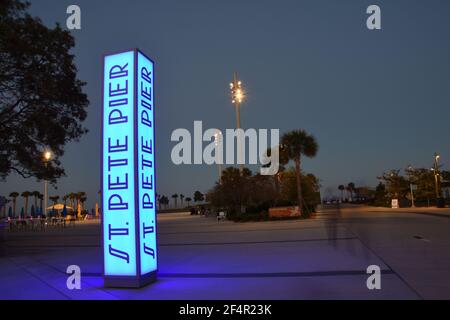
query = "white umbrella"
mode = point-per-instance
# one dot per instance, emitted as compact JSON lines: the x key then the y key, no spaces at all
{"x":59,"y":206}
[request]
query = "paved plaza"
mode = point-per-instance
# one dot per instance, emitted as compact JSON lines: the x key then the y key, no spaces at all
{"x":322,"y":258}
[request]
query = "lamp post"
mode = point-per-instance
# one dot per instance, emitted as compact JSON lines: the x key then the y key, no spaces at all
{"x":218,"y":144}
{"x":47,"y":158}
{"x":435,"y":170}
{"x":237,"y":97}
{"x":410,"y":168}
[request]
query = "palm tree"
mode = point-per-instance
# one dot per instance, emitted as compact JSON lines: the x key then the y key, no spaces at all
{"x":188,"y":200}
{"x":14,"y":196}
{"x":351,"y":188}
{"x":72,"y":197}
{"x":158,"y":198}
{"x":342,"y":188}
{"x":78,"y":196}
{"x":294,"y":144}
{"x":5,"y":204}
{"x":198,"y":196}
{"x":165,"y":201}
{"x":25,"y":195}
{"x":54,"y":199}
{"x":181,"y":198}
{"x":83,"y":200}
{"x":41,"y":199}
{"x":175,"y":197}
{"x":65,"y":198}
{"x":347,"y":193}
{"x":35,"y":194}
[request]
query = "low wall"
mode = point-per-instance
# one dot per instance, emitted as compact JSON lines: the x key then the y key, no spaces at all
{"x":284,"y":212}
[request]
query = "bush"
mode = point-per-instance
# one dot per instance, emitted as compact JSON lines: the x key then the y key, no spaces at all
{"x":379,"y":203}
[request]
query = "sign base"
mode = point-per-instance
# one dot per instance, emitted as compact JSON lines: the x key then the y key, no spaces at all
{"x":130,"y":282}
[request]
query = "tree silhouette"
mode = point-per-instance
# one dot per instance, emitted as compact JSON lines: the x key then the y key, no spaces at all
{"x":82,"y":201}
{"x":294,"y":144}
{"x":188,"y":200}
{"x":42,"y":104}
{"x":80,"y":197}
{"x":164,"y":201}
{"x":351,"y":188}
{"x":54,"y":199}
{"x":342,"y":188}
{"x":41,"y":199}
{"x":198,"y":196}
{"x":36,"y":195}
{"x":175,"y":197}
{"x":72,"y":197}
{"x":25,"y":195}
{"x":14,"y":196}
{"x":233,"y":191}
{"x":158,"y":199}
{"x":182,"y":198}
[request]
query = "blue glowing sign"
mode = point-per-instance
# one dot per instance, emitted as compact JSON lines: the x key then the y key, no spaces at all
{"x":128,"y":169}
{"x":146,"y":164}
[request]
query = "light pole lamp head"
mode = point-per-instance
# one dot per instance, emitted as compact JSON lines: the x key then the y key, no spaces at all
{"x":237,"y":92}
{"x":217,"y":137}
{"x":47,"y":155}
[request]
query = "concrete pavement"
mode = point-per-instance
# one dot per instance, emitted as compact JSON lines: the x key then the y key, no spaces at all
{"x":321,"y":258}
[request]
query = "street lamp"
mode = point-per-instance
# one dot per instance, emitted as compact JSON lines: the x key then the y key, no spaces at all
{"x":237,"y":97}
{"x":410,"y":168}
{"x":435,"y":170}
{"x":47,"y":158}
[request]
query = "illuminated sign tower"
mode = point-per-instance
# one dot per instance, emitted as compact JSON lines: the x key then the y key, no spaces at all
{"x":128,"y":170}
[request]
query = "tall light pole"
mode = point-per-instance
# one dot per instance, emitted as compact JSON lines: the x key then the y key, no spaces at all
{"x":435,"y":169}
{"x":237,"y":97}
{"x":218,"y":144}
{"x":47,"y":158}
{"x":410,"y":168}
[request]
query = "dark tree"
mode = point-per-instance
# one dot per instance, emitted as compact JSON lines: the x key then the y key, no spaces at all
{"x":351,"y":188}
{"x":198,"y":196}
{"x":175,"y":198}
{"x":164,"y":201}
{"x":257,"y":193}
{"x":294,"y":145}
{"x":42,"y":104}
{"x":342,"y":188}
{"x":397,"y":187}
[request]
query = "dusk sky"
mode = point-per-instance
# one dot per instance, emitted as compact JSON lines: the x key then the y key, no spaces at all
{"x":374,"y":100}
